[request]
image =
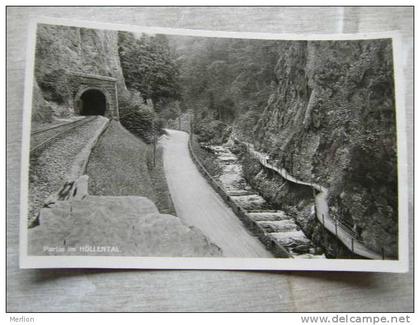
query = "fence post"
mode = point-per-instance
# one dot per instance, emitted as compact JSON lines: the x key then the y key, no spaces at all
{"x":336,"y":247}
{"x":352,"y":244}
{"x":336,"y":233}
{"x":154,"y":143}
{"x":324,"y":232}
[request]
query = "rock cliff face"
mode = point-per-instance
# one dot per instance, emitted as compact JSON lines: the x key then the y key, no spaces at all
{"x":62,"y":51}
{"x":331,"y":119}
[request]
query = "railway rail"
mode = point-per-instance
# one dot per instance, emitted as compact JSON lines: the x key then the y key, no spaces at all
{"x":41,"y":138}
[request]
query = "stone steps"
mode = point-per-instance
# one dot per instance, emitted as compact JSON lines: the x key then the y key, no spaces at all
{"x":290,"y":239}
{"x":278,"y":226}
{"x":241,"y":193}
{"x":268,"y":216}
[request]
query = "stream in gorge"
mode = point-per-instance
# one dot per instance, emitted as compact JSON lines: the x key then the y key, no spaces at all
{"x":276,"y":223}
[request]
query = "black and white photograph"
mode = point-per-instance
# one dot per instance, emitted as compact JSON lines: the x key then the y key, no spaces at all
{"x":253,"y":162}
{"x":171,"y":148}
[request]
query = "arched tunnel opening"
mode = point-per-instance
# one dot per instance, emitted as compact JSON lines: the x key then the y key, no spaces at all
{"x":92,"y":102}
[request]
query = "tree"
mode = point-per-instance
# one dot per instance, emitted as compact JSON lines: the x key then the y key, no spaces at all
{"x":149,"y":67}
{"x":226,"y":77}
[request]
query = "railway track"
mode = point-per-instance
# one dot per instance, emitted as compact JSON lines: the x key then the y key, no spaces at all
{"x":41,"y":138}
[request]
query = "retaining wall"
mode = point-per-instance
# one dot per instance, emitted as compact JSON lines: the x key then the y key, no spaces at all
{"x":75,"y":184}
{"x":276,"y":249}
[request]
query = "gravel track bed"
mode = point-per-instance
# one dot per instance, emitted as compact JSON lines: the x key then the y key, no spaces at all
{"x":48,"y":168}
{"x":42,"y":136}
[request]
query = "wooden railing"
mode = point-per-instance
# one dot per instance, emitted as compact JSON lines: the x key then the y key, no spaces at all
{"x":337,"y":227}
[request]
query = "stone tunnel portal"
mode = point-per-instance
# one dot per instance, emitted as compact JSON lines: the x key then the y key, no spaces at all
{"x":94,"y":95}
{"x":92,"y":102}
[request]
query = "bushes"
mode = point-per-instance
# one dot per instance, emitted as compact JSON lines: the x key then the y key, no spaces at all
{"x":148,"y":66}
{"x":54,"y":86}
{"x":211,"y":131}
{"x":207,"y":158}
{"x":139,"y":118}
{"x":140,"y":122}
{"x":41,"y":111}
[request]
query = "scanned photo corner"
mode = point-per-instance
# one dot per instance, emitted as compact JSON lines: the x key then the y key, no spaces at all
{"x":148,"y":147}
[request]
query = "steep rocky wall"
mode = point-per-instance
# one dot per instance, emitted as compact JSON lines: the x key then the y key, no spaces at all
{"x":62,"y":51}
{"x":296,"y":200}
{"x":331,"y":120}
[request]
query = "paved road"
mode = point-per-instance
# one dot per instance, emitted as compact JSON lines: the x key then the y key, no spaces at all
{"x":200,"y":206}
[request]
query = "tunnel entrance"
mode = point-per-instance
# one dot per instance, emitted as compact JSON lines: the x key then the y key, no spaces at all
{"x":94,"y":95}
{"x":92,"y":102}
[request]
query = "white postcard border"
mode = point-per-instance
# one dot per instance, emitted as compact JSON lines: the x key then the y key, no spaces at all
{"x":224,"y":263}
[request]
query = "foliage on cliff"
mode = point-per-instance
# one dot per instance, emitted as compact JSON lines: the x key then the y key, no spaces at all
{"x":332,"y":120}
{"x":148,"y":66}
{"x":324,"y":110}
{"x":152,"y":77}
{"x":225,"y":78}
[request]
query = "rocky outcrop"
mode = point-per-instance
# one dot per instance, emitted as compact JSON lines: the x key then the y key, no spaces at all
{"x":62,"y":51}
{"x":331,"y":120}
{"x":41,"y":110}
{"x":116,"y":226}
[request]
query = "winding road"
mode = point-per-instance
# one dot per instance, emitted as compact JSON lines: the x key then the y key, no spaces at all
{"x":198,"y":205}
